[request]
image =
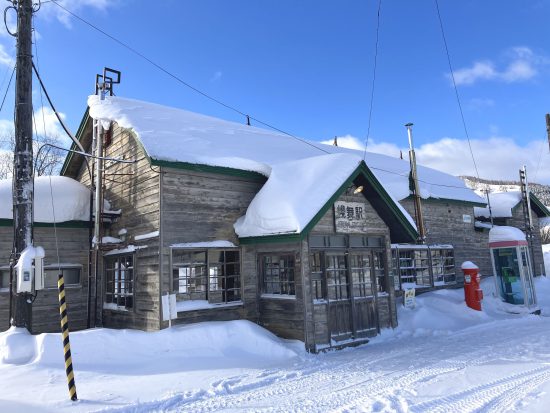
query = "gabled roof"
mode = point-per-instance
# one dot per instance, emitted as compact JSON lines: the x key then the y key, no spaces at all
{"x":503,"y":204}
{"x":298,"y":194}
{"x":179,"y":138}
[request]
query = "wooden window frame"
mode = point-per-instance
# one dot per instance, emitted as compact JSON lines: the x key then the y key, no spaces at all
{"x":123,"y":288}
{"x":288,"y":283}
{"x":216,"y":273}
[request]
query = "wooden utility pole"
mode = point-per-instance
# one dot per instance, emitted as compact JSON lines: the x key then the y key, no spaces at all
{"x":23,"y":186}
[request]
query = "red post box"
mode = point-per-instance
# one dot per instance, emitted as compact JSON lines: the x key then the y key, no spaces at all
{"x":472,"y":292}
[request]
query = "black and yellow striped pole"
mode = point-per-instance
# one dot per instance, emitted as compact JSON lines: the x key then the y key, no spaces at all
{"x":65,"y":335}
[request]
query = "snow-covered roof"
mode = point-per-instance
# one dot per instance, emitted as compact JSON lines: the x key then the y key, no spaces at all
{"x":176,"y":135}
{"x":502,"y":204}
{"x":503,"y":234}
{"x":319,"y":178}
{"x":67,"y":198}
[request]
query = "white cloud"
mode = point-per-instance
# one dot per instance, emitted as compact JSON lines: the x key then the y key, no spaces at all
{"x":44,"y":120}
{"x":496,"y":157}
{"x":521,"y":64}
{"x":216,"y":76}
{"x":51,"y":10}
{"x":6,"y":59}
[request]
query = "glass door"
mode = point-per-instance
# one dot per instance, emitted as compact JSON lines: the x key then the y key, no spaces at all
{"x":338,"y":295}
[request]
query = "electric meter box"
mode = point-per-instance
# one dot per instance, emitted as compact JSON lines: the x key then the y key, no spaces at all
{"x":30,"y":270}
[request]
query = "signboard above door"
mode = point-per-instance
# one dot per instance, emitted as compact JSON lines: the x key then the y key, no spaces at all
{"x":350,"y":217}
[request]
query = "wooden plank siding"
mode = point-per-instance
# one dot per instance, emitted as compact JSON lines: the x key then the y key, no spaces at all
{"x":444,"y":225}
{"x":134,"y":188}
{"x":73,"y":246}
{"x":199,"y":207}
{"x":317,"y":314}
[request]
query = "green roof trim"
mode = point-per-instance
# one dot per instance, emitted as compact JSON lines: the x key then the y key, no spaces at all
{"x":363,"y":170}
{"x":4,"y":222}
{"x":73,"y":145}
{"x":222,"y":170}
{"x":451,"y":201}
{"x":544,"y":211}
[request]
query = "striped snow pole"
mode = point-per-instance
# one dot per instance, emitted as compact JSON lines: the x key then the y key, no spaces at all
{"x":65,"y":335}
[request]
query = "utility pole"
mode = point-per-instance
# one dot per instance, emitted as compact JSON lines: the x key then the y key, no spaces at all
{"x":23,"y":186}
{"x":414,"y":186}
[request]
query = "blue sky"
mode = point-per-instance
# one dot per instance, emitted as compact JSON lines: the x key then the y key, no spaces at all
{"x":306,"y":67}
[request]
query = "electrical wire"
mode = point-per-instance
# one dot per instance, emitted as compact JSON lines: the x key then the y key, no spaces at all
{"x":373,"y":77}
{"x":455,"y":87}
{"x":7,"y":89}
{"x":183,"y":82}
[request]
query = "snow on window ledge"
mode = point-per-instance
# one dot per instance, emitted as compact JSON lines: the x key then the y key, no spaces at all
{"x":279,"y":296}
{"x":115,"y":307}
{"x":192,"y":305}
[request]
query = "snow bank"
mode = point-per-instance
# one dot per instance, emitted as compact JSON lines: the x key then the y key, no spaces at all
{"x":546,"y":252}
{"x":17,"y":346}
{"x":205,"y":346}
{"x":71,"y":199}
{"x":444,"y":312}
{"x":177,"y":135}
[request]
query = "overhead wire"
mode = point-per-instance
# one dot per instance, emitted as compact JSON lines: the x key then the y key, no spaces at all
{"x":7,"y":89}
{"x":240,"y":112}
{"x":455,"y":86}
{"x":183,"y":82}
{"x":373,"y":76}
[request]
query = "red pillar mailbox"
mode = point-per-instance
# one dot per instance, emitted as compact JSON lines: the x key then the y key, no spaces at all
{"x":472,"y":292}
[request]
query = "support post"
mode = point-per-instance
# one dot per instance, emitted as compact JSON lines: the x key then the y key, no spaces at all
{"x":23,"y":186}
{"x":65,"y":337}
{"x":415,"y":188}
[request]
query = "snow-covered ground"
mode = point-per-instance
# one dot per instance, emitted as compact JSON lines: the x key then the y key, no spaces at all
{"x":443,"y":357}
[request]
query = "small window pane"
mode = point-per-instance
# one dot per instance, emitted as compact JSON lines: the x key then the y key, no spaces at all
{"x":4,"y":279}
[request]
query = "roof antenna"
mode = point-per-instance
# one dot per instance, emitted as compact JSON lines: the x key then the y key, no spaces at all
{"x":248,"y":120}
{"x":335,"y":143}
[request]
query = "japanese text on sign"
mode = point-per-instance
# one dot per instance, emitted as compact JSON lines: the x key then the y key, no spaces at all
{"x":349,"y":216}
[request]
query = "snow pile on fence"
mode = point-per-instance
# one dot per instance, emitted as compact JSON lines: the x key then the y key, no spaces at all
{"x":64,"y":200}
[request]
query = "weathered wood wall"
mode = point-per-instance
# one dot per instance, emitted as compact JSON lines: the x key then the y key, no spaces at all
{"x":317,"y":313}
{"x":202,"y":206}
{"x":73,"y":249}
{"x":134,"y":189}
{"x":445,"y":225}
{"x":282,"y":315}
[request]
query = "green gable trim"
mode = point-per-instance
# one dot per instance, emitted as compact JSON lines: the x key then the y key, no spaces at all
{"x":362,"y":169}
{"x":67,"y":224}
{"x":78,"y":135}
{"x":222,"y":170}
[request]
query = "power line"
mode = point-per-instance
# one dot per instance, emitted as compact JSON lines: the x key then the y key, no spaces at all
{"x":373,"y":76}
{"x":180,"y":80}
{"x":7,"y":89}
{"x":455,"y":87}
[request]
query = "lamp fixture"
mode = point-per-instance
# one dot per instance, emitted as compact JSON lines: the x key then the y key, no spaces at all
{"x":358,"y":189}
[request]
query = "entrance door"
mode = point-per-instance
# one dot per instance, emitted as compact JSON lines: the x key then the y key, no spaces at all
{"x":363,"y":294}
{"x":351,"y":293}
{"x":338,"y":294}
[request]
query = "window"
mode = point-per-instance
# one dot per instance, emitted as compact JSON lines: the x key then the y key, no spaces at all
{"x":4,"y":279}
{"x":211,"y":275}
{"x":71,"y":276}
{"x":379,"y":271}
{"x":278,"y":274}
{"x":119,"y":281}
